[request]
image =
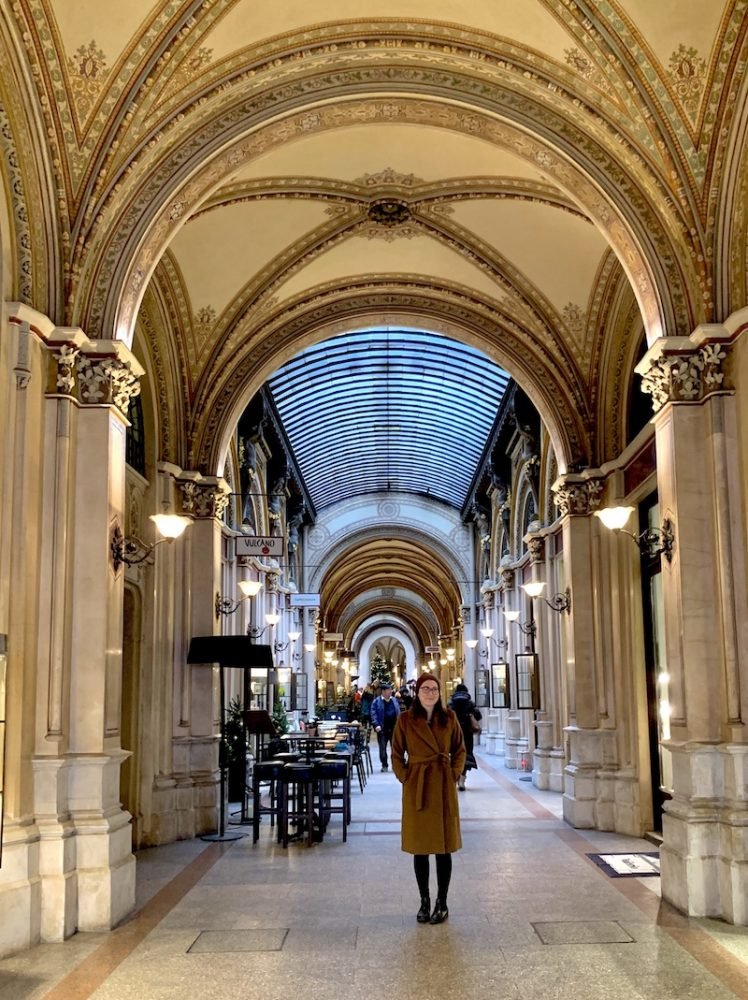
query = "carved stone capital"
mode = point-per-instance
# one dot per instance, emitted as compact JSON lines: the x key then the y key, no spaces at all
{"x":203,"y":500}
{"x":536,"y":547}
{"x":576,"y":496}
{"x":507,"y":580}
{"x":685,"y":375}
{"x":94,"y":379}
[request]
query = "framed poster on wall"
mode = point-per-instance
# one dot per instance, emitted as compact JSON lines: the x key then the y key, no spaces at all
{"x":482,"y":681}
{"x":528,"y":689}
{"x":500,"y":692}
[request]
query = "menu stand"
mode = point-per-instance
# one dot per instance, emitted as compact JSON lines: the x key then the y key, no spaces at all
{"x":226,"y":651}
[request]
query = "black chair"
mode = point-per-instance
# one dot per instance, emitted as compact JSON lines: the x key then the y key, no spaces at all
{"x":297,"y":801}
{"x":334,"y":785}
{"x":266,"y":773}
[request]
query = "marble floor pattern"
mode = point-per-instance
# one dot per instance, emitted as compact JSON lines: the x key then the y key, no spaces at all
{"x":531,"y":918}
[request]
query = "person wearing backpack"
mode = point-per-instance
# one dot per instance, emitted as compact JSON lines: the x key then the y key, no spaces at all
{"x":464,"y":708}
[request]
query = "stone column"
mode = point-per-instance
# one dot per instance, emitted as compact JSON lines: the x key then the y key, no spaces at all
{"x":705,"y":850}
{"x":196,"y":732}
{"x":590,"y":749}
{"x":86,"y":853}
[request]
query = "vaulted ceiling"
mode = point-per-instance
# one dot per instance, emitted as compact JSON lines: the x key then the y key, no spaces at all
{"x":237,"y":181}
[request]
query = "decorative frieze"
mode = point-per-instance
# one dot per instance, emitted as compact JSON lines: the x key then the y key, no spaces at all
{"x":576,"y":496}
{"x":685,"y":376}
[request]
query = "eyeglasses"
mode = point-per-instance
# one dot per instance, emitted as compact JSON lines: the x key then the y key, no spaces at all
{"x":429,"y":688}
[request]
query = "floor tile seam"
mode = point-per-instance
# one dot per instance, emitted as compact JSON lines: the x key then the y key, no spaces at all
{"x":524,"y":798}
{"x":96,"y":967}
{"x":698,"y":943}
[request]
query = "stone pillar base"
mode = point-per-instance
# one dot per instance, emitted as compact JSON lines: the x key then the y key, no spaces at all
{"x":491,"y":743}
{"x":556,"y":775}
{"x":20,"y":888}
{"x":704,"y":855}
{"x":598,"y":795}
{"x":511,"y":758}
{"x":500,"y":745}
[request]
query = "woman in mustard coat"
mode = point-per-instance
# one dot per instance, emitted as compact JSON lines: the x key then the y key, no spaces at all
{"x":428,"y":754}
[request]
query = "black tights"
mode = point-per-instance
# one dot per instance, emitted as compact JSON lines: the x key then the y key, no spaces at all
{"x":443,"y":874}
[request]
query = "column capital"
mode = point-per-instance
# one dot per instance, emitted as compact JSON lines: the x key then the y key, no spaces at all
{"x":93,"y":372}
{"x":577,"y":495}
{"x":203,"y":497}
{"x":687,"y":369}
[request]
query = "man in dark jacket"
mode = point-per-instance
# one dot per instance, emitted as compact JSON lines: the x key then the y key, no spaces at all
{"x":384,"y":712}
{"x":465,"y":710}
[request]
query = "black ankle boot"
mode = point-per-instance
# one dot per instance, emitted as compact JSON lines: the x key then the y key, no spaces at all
{"x":440,"y":913}
{"x":423,"y":914}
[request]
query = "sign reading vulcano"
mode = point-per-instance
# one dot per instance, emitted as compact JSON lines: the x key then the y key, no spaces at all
{"x":256,"y":545}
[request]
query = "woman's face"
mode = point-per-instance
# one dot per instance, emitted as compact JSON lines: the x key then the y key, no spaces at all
{"x":428,"y":694}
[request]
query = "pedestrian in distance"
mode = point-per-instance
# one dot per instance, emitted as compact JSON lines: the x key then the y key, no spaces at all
{"x":384,"y":714}
{"x":428,"y":755}
{"x":465,"y":710}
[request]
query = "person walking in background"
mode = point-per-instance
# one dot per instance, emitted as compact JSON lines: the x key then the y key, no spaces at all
{"x":367,"y":697}
{"x":384,"y":714}
{"x":428,"y":755}
{"x":465,"y":710}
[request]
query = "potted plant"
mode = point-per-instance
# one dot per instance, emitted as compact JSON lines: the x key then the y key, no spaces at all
{"x":235,"y":749}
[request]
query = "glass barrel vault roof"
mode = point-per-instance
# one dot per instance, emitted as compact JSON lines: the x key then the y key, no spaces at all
{"x":384,"y":410}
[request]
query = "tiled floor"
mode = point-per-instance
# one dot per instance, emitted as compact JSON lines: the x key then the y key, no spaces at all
{"x":530,"y":917}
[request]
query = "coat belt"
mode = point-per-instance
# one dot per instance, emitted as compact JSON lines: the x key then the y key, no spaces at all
{"x":434,"y":758}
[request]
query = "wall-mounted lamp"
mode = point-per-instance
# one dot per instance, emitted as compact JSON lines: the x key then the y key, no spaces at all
{"x":652,"y":541}
{"x":225,"y":606}
{"x":271,"y":620}
{"x":528,"y":628}
{"x":559,"y":602}
{"x":279,"y":646}
{"x":487,"y":633}
{"x":130,"y":551}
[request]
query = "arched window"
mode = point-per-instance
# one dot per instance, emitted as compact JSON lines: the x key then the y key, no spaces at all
{"x":135,"y":437}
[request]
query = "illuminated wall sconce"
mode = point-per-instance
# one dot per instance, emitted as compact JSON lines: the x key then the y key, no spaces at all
{"x":279,"y":646}
{"x":225,"y":606}
{"x":652,"y":541}
{"x":271,"y":620}
{"x":528,"y":628}
{"x":559,"y":602}
{"x":130,"y":551}
{"x":487,"y":633}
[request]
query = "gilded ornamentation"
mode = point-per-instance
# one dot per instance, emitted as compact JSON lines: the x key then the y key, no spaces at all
{"x":87,"y":71}
{"x":575,"y":319}
{"x":388,"y":178}
{"x":687,"y":72}
{"x":389,"y":212}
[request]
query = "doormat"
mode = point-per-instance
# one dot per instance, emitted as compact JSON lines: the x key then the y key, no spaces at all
{"x":640,"y":865}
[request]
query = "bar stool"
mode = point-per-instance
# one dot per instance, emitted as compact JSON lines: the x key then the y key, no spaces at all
{"x":297,"y":800}
{"x":266,"y":772}
{"x":328,"y":773}
{"x":287,"y":757}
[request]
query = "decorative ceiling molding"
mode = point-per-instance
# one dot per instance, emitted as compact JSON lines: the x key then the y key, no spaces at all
{"x":666,"y":307}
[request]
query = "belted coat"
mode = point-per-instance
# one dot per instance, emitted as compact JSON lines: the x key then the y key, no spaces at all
{"x":428,"y":760}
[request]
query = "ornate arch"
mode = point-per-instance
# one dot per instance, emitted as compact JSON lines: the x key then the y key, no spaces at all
{"x":136,"y":226}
